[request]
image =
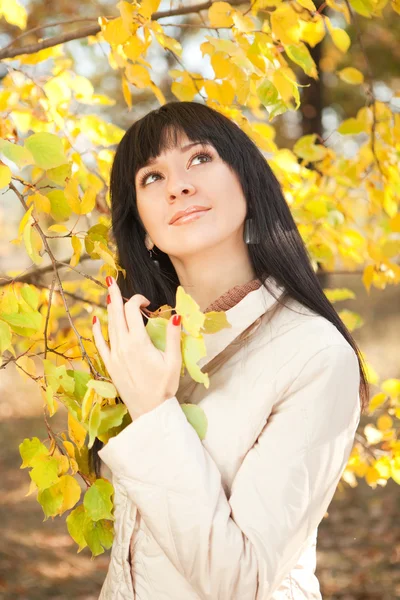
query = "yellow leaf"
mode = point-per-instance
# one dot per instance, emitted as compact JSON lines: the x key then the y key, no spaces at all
{"x":135,"y":47}
{"x":14,"y":13}
{"x":88,"y":201}
{"x":114,"y":31}
{"x":31,"y":242}
{"x":71,"y":191}
{"x":24,"y":220}
{"x":368,"y":276}
{"x":222,"y":65}
{"x":384,"y":422}
{"x":392,"y":387}
{"x":376,"y":401}
{"x":77,"y":248}
{"x":5,"y":176}
{"x":138,"y":76}
{"x":183,"y":91}
{"x":395,"y":223}
{"x":87,"y":402}
{"x":341,"y":39}
{"x":76,"y":431}
{"x":70,"y":448}
{"x":220,"y":14}
{"x":351,"y":127}
{"x":243,"y":23}
{"x":313,"y":32}
{"x":148,"y":7}
{"x":58,"y":228}
{"x":41,"y":202}
{"x":351,"y":75}
{"x":45,"y":54}
{"x":285,"y":24}
{"x":309,"y":4}
{"x":126,"y":91}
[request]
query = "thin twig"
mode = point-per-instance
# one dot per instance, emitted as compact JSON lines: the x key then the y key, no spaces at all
{"x":95,"y":29}
{"x":54,"y":262}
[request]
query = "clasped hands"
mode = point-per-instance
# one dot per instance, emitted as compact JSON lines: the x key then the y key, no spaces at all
{"x":143,"y":375}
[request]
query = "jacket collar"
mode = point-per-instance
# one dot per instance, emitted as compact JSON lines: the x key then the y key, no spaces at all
{"x":241,"y":316}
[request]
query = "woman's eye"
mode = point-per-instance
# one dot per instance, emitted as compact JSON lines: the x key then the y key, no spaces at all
{"x":158,"y":174}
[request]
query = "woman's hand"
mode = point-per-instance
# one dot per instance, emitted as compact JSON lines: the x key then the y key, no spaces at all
{"x":143,"y":375}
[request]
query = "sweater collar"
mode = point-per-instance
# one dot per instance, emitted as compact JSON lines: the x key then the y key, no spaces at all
{"x":240,"y":316}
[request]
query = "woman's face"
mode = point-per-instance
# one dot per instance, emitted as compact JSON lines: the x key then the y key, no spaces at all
{"x":186,"y":176}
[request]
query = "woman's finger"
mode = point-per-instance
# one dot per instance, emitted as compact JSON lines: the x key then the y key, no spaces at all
{"x":134,"y":317}
{"x":101,"y":344}
{"x":115,"y":309}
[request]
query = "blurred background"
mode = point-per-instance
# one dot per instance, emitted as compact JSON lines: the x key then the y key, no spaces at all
{"x":358,"y":551}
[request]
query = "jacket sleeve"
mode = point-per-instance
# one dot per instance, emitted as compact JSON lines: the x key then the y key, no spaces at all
{"x":243,"y":548}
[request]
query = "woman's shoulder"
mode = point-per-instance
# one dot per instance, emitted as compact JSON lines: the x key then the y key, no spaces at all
{"x":294,"y":335}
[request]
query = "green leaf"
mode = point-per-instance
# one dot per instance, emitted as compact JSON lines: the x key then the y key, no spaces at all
{"x":197,"y":418}
{"x":59,"y":174}
{"x":81,"y":380}
{"x":97,"y":500}
{"x":267,"y":92}
{"x":194,"y":348}
{"x":156,"y":327}
{"x":300,"y":55}
{"x":32,"y":320}
{"x":94,"y":422}
{"x":363,"y":7}
{"x":105,"y":389}
{"x":99,"y":536}
{"x":60,"y":209}
{"x":17,"y":154}
{"x":30,"y":449}
{"x":76,"y":523}
{"x":47,"y":150}
{"x":111,"y":416}
{"x":58,"y":376}
{"x":45,"y":472}
{"x":51,"y":500}
{"x":31,"y":296}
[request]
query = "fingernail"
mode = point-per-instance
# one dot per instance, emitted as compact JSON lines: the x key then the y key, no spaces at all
{"x":94,"y":320}
{"x":109,"y":280}
{"x":108,"y":299}
{"x":176,"y":320}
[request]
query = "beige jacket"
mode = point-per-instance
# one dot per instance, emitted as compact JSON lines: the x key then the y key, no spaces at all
{"x":235,"y":516}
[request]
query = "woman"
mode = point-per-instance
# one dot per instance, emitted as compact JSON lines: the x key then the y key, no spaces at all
{"x":233,"y":516}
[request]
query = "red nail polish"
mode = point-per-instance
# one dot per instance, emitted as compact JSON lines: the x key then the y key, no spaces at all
{"x":94,"y":320}
{"x":108,"y":299}
{"x":176,"y":320}
{"x":108,"y":280}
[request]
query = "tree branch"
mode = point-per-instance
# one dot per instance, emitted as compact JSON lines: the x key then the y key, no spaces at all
{"x":37,"y":273}
{"x":57,"y":276}
{"x":8,"y":52}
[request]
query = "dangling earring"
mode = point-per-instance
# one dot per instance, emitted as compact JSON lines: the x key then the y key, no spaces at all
{"x":250,"y":234}
{"x":149,"y":244}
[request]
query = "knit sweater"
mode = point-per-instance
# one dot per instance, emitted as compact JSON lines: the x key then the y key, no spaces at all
{"x":224,"y":302}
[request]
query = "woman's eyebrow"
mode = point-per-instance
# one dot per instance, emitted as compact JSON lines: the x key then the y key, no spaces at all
{"x":182,"y":149}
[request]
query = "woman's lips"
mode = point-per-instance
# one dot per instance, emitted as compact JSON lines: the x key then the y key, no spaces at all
{"x":192,"y":217}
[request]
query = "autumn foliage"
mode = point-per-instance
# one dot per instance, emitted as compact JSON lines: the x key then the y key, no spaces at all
{"x":346,"y":210}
